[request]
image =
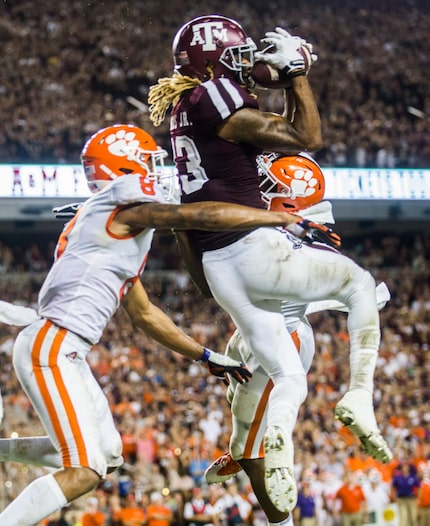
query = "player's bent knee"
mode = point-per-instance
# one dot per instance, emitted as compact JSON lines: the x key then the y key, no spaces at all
{"x":75,"y":482}
{"x":245,"y":403}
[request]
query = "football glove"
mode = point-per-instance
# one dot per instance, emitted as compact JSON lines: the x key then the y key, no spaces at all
{"x":310,"y":232}
{"x":220,"y":365}
{"x":66,"y":211}
{"x":308,"y":50}
{"x":286,"y":56}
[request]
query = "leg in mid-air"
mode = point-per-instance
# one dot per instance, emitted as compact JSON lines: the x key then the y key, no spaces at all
{"x":306,"y":274}
{"x":249,"y":416}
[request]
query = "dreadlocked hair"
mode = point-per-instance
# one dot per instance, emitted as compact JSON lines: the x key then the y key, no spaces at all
{"x":166,"y":93}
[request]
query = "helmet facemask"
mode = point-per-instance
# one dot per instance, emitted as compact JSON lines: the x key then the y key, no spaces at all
{"x":240,"y":59}
{"x":268,"y":183}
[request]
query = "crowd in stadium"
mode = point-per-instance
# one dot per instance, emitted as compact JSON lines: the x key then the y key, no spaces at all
{"x":174,"y":417}
{"x":72,"y":67}
{"x":69,"y":68}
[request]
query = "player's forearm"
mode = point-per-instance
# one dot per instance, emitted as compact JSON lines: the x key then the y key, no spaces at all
{"x":216,"y":216}
{"x":307,"y":121}
{"x":207,"y":215}
{"x":160,"y":327}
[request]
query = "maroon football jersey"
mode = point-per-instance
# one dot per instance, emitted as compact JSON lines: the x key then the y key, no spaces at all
{"x":209,"y":167}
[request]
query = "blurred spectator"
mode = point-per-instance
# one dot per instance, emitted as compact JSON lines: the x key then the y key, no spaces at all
{"x":377,"y":493}
{"x":233,"y":508}
{"x":93,"y":516}
{"x":198,"y":511}
{"x":423,"y":497}
{"x":404,"y":485}
{"x":158,"y":513}
{"x":130,"y":513}
{"x":305,"y":512}
{"x":351,"y":500}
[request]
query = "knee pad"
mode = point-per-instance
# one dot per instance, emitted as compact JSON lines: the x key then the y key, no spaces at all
{"x":245,"y":403}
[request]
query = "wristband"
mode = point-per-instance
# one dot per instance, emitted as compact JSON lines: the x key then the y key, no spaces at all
{"x":286,"y":72}
{"x":205,"y":356}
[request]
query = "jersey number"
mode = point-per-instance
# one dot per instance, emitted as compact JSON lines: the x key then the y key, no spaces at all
{"x":191,"y":172}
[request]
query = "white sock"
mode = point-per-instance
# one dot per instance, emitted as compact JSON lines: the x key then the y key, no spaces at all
{"x":286,"y":397}
{"x":362,"y":366}
{"x":286,"y":522}
{"x":37,"y":501}
{"x":37,"y":451}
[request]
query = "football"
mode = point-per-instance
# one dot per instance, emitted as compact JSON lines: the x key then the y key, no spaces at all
{"x":267,"y":76}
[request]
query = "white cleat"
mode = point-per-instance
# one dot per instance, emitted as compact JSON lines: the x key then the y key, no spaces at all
{"x":279,"y":469}
{"x":355,"y":411}
{"x":222,"y":469}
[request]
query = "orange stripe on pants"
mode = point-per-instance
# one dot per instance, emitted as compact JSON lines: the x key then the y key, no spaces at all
{"x":62,"y":390}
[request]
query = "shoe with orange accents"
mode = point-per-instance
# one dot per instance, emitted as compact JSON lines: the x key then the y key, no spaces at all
{"x":222,"y":469}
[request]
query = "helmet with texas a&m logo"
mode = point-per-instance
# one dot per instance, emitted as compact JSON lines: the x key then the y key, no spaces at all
{"x":123,"y":149}
{"x":290,"y":183}
{"x":213,"y":46}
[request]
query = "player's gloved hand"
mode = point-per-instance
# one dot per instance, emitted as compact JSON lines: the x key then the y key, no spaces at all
{"x":308,"y":50}
{"x":66,"y":211}
{"x":219,"y":365}
{"x":310,"y":232}
{"x":286,"y":57}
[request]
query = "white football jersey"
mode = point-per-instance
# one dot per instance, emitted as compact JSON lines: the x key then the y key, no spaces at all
{"x":94,"y":268}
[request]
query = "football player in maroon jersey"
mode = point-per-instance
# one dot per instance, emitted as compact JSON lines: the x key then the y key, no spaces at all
{"x":217,"y":130}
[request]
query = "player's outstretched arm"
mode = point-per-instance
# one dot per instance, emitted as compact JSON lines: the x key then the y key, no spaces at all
{"x":207,"y":215}
{"x":153,"y":321}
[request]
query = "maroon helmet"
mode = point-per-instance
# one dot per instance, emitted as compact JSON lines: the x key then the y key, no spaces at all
{"x":213,"y":46}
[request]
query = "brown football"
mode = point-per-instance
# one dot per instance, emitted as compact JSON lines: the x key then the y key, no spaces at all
{"x":267,"y":76}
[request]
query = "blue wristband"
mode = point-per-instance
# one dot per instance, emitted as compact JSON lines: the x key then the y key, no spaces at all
{"x":205,"y":356}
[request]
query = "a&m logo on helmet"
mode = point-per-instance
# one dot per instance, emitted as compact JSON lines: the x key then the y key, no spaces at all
{"x":207,"y":34}
{"x":213,"y":46}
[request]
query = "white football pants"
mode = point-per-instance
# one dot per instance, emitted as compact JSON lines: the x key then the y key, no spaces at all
{"x":51,"y":365}
{"x":250,"y":279}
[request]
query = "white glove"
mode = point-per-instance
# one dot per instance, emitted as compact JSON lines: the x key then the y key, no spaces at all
{"x":219,"y":365}
{"x":287,"y":56}
{"x":66,"y":211}
{"x":308,"y":50}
